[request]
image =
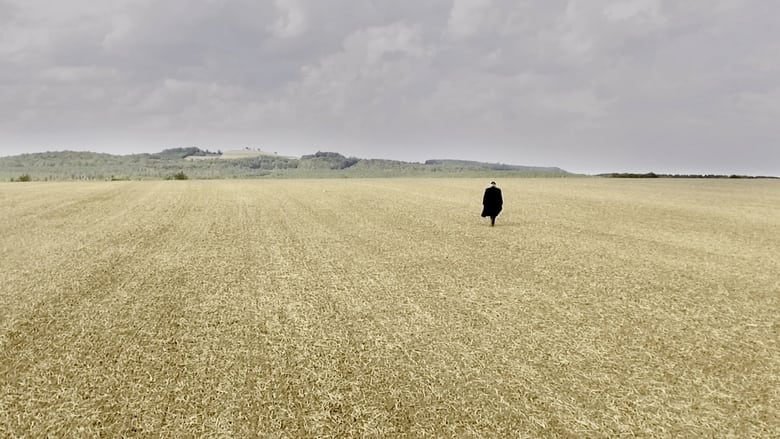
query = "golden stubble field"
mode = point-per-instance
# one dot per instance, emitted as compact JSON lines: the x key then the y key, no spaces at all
{"x":388,"y":308}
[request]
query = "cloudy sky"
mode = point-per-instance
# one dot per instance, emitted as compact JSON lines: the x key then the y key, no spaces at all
{"x":587,"y":85}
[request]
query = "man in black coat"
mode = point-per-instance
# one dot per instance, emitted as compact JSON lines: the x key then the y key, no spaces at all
{"x":492,"y":202}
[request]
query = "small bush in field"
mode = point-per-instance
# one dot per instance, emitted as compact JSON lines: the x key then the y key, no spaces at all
{"x":179,"y":176}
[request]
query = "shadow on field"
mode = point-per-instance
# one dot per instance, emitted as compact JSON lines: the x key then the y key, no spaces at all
{"x":505,"y":224}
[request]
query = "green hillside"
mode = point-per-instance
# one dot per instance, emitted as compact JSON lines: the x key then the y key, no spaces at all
{"x":196,"y":163}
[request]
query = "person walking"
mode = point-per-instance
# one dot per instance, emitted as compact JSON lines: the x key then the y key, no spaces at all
{"x":492,"y":202}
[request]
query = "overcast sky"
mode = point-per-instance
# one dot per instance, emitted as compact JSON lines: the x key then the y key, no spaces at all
{"x":586,"y":85}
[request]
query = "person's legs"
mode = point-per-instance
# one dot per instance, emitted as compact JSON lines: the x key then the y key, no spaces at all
{"x":492,"y":221}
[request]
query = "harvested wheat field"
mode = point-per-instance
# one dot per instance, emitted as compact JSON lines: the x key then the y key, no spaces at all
{"x":389,"y":308}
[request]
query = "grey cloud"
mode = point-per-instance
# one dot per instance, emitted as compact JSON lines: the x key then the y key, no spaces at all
{"x":591,"y":85}
{"x":8,"y":12}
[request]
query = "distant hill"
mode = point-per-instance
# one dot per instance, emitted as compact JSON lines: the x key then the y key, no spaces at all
{"x":203,"y":164}
{"x":467,"y":164}
{"x":236,"y":154}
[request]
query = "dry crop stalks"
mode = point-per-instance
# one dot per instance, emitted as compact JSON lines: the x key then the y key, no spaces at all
{"x":345,"y":308}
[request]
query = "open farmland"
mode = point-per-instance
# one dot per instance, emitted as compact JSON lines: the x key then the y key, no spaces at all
{"x":387,"y":307}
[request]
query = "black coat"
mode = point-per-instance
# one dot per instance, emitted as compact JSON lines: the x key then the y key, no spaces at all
{"x":492,"y":202}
